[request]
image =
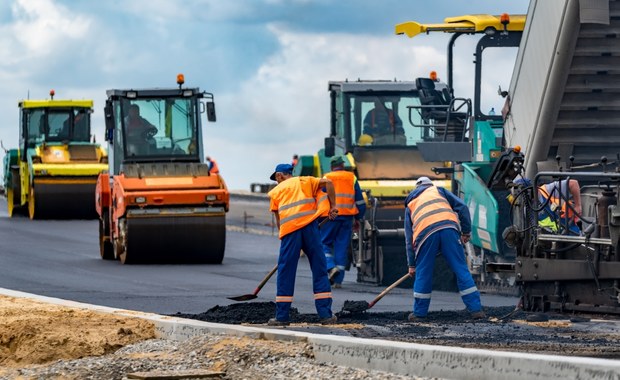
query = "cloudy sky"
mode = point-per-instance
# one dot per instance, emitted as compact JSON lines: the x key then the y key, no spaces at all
{"x":267,"y":61}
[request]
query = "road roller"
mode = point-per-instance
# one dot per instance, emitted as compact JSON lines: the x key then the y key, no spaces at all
{"x":158,"y":202}
{"x":54,"y":171}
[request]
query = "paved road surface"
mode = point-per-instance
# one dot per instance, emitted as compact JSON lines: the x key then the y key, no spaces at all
{"x":61,"y":259}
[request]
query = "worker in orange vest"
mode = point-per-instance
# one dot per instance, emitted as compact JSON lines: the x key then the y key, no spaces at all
{"x":336,"y":236}
{"x":437,"y":221}
{"x":294,"y":202}
{"x":213,"y":168}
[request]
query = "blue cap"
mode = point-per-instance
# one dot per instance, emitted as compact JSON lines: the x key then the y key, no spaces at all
{"x":281,"y":168}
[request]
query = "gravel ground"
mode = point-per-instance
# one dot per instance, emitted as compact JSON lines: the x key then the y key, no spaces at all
{"x":237,"y":358}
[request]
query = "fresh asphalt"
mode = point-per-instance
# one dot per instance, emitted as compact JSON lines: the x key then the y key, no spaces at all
{"x":60,"y":258}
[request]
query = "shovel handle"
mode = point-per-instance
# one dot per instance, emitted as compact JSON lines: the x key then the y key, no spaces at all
{"x":275,"y":268}
{"x":388,"y":289}
{"x":262,"y":283}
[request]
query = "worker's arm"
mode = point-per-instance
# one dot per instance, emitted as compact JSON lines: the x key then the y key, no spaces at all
{"x":409,"y":242}
{"x":277,"y":217}
{"x":273,"y":207}
{"x":360,"y":203}
{"x":462,"y":211}
{"x":331,"y":196}
{"x":575,"y":191}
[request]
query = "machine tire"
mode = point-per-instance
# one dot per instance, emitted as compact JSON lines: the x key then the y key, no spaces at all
{"x":106,"y":249}
{"x":10,"y":202}
{"x":32,"y":205}
{"x":13,"y":195}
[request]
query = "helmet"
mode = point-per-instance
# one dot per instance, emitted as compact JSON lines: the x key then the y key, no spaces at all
{"x":365,"y":140}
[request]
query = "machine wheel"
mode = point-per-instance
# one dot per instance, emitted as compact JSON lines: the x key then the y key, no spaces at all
{"x":13,"y":195}
{"x":32,"y":206}
{"x":106,"y":249}
{"x":10,"y":202}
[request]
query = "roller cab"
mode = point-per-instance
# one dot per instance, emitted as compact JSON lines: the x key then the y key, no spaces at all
{"x":159,"y":203}
{"x":54,"y":171}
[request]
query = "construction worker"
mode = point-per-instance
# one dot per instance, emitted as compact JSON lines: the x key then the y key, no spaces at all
{"x":140,"y":132}
{"x":213,"y":168}
{"x":294,"y":202}
{"x":437,"y":221}
{"x":384,"y":125}
{"x":551,"y":196}
{"x":295,"y":160}
{"x":336,"y":236}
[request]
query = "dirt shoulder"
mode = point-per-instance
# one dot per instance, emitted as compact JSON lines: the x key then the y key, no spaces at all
{"x":33,"y":332}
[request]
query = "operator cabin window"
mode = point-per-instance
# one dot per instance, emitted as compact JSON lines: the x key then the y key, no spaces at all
{"x":36,"y":127}
{"x":59,"y":126}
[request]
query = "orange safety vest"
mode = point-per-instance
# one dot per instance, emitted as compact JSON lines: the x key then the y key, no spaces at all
{"x":344,"y":183}
{"x":214,"y":168}
{"x":429,"y":208}
{"x":554,"y":202}
{"x":295,"y":201}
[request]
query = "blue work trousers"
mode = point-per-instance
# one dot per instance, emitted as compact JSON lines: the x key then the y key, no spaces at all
{"x":448,"y":242}
{"x":336,"y":239}
{"x":308,"y":239}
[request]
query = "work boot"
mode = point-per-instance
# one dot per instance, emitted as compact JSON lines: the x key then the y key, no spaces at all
{"x":275,"y":322}
{"x":332,"y":274}
{"x":478,"y":315}
{"x":329,"y":320}
{"x":414,"y":318}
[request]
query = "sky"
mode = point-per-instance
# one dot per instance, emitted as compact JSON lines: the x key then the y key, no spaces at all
{"x":266,"y":61}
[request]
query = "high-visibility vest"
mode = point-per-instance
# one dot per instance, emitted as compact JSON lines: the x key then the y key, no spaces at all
{"x":297,"y":205}
{"x":429,"y":208}
{"x":214,"y":169}
{"x":554,"y":202}
{"x":344,"y":187}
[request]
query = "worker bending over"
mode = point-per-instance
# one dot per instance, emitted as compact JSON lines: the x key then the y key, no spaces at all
{"x":437,"y":221}
{"x":336,"y":236}
{"x":294,"y":202}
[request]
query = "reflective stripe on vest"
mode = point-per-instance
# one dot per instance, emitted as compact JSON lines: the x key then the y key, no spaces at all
{"x":344,"y":187}
{"x":428,"y":208}
{"x":296,"y":204}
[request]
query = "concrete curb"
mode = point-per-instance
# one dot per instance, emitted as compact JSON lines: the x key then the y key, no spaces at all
{"x":397,"y":357}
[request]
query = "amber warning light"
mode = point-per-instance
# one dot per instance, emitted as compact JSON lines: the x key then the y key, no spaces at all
{"x":504,"y":19}
{"x":180,"y":79}
{"x":517,"y":149}
{"x":433,"y":76}
{"x":52,"y":93}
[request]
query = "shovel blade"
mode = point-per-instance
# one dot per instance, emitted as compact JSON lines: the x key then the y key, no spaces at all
{"x":245,"y":297}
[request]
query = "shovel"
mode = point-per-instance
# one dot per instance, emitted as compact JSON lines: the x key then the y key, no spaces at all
{"x":360,"y":306}
{"x":247,"y":297}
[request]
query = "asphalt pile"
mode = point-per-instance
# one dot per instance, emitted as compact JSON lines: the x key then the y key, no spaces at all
{"x":504,"y":328}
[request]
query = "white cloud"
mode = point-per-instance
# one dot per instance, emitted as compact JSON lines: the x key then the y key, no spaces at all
{"x":284,"y":108}
{"x":41,"y":27}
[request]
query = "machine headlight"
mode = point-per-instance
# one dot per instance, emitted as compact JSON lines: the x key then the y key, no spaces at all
{"x":140,"y":199}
